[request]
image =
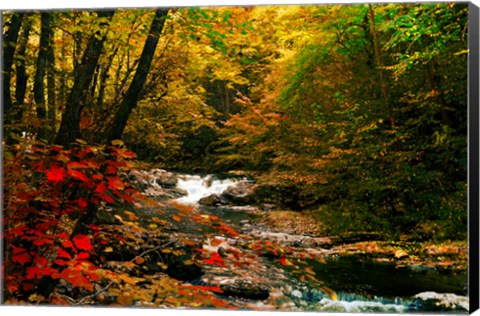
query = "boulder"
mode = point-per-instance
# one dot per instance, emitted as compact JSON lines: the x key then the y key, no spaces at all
{"x":245,"y":289}
{"x":240,"y":194}
{"x":164,"y":178}
{"x":211,"y":200}
{"x":439,"y":302}
{"x":140,"y":179}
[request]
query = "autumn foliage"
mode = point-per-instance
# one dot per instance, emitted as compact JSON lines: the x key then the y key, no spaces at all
{"x":49,"y":192}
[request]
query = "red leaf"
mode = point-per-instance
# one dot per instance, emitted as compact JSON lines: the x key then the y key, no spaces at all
{"x":22,"y":258}
{"x":67,"y":244}
{"x":62,"y":262}
{"x":17,"y":250}
{"x":214,"y":259}
{"x":77,"y":175}
{"x":27,"y":286}
{"x":40,"y":261}
{"x":12,"y":286}
{"x":42,"y":241}
{"x":56,"y":148}
{"x":63,"y":254}
{"x":101,"y":188}
{"x":111,"y":170}
{"x":209,"y":288}
{"x":83,"y":255}
{"x":115,"y":183}
{"x":107,"y":198}
{"x":55,"y":174}
{"x":82,"y":202}
{"x":94,"y":227}
{"x":98,"y":176}
{"x":128,"y":198}
{"x":283,"y":261}
{"x":33,"y":272}
{"x":82,"y":242}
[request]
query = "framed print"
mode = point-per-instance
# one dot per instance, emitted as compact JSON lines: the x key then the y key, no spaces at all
{"x":315,"y":157}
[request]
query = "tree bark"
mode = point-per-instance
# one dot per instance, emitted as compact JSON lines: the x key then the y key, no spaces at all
{"x":9,"y":46}
{"x":130,"y":100}
{"x":21,"y":81}
{"x":51,"y":89}
{"x":39,"y":85}
{"x":70,"y":125}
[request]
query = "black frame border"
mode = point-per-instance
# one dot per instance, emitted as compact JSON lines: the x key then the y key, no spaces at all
{"x":473,"y":145}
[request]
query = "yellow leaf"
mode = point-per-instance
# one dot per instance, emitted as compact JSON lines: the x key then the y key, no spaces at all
{"x":331,"y":293}
{"x":119,"y":218}
{"x":131,"y":216}
{"x":125,"y":299}
{"x":163,"y":265}
{"x":108,"y":249}
{"x":117,"y":142}
{"x":153,"y":226}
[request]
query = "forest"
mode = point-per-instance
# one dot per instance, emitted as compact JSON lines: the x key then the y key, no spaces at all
{"x":335,"y":131}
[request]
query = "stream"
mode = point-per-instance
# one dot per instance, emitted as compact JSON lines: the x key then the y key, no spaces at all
{"x":360,"y":285}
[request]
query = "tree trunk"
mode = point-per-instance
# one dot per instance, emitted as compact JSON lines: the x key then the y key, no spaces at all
{"x":39,"y":86}
{"x":70,"y":126}
{"x":51,"y":90}
{"x":103,"y":79}
{"x":63,"y":78}
{"x":21,"y":81}
{"x":9,"y":45}
{"x":378,"y":61}
{"x":130,"y":100}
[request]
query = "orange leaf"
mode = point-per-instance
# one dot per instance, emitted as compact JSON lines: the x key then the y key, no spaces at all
{"x":115,"y":183}
{"x":176,"y":218}
{"x":77,"y":175}
{"x":139,"y":260}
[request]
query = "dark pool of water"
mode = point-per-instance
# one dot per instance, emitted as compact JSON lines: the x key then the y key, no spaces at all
{"x":369,"y":278}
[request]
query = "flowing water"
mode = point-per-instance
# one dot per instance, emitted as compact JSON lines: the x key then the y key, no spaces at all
{"x":198,"y":187}
{"x":361,"y":285}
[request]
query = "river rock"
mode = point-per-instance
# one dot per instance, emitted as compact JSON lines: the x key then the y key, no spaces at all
{"x":239,"y":194}
{"x":211,"y":200}
{"x":164,"y":178}
{"x":245,"y":289}
{"x":141,"y":179}
{"x":439,"y":302}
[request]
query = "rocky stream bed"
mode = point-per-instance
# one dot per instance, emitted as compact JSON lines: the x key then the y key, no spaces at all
{"x":262,"y":267}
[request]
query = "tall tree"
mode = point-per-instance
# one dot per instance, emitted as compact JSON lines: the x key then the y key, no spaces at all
{"x":51,"y":90}
{"x":130,"y":100}
{"x":70,"y":125}
{"x":39,"y":85}
{"x":21,"y":74}
{"x":9,"y":45}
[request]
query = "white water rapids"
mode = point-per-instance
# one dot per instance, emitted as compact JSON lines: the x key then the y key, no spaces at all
{"x":198,"y":187}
